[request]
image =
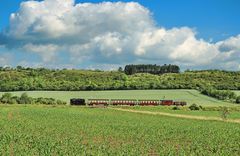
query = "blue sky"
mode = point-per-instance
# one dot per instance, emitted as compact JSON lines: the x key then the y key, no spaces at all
{"x":217,"y":22}
{"x":216,"y":19}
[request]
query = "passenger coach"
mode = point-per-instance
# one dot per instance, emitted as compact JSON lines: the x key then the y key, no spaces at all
{"x":127,"y":102}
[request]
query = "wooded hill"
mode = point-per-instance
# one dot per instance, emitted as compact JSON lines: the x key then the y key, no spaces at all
{"x":213,"y":83}
{"x":21,"y":79}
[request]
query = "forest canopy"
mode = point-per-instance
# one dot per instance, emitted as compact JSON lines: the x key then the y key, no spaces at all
{"x":27,"y":79}
{"x":152,"y":69}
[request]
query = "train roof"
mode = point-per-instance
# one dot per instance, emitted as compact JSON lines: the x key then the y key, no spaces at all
{"x":100,"y":99}
{"x":123,"y":100}
{"x":147,"y":100}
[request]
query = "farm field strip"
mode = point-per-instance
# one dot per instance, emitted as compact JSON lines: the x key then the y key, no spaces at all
{"x":38,"y":130}
{"x":190,"y":96}
{"x":177,"y":115}
{"x":185,"y":111}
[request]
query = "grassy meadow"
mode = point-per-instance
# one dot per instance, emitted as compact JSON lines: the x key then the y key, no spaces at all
{"x":190,"y":96}
{"x":47,"y":130}
{"x":71,"y":130}
{"x":237,"y":92}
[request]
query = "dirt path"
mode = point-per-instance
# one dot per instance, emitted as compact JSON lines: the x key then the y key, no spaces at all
{"x":178,"y":115}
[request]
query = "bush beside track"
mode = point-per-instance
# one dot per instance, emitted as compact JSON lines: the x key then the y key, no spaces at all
{"x":7,"y":98}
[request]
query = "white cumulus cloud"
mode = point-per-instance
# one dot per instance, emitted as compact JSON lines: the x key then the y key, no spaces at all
{"x":5,"y":57}
{"x":46,"y":51}
{"x":111,"y":33}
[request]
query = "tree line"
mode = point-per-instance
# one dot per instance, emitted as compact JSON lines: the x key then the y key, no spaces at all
{"x":152,"y":69}
{"x":8,"y":98}
{"x":220,"y":94}
{"x":210,"y":82}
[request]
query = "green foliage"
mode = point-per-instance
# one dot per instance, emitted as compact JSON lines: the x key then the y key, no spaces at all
{"x":238,"y":100}
{"x":7,"y":98}
{"x":120,"y":69}
{"x":194,"y":107}
{"x":175,"y":108}
{"x":219,"y":94}
{"x":201,"y":107}
{"x":24,"y":99}
{"x":152,"y":69}
{"x":212,"y":83}
{"x":224,"y":112}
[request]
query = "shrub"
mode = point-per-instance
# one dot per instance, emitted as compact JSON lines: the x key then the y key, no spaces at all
{"x":12,"y":101}
{"x":201,"y":107}
{"x":238,"y":100}
{"x":218,"y":94}
{"x":194,"y":107}
{"x":59,"y":102}
{"x":7,"y":98}
{"x":224,"y":112}
{"x":25,"y":99}
{"x":175,"y":108}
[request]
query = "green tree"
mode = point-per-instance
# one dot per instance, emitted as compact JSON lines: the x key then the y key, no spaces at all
{"x":238,"y":100}
{"x":25,"y":99}
{"x":6,"y":98}
{"x":120,"y":69}
{"x":224,"y":112}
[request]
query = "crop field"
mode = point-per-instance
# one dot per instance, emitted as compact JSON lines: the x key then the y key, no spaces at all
{"x":48,"y":130}
{"x":185,"y":111}
{"x":190,"y":96}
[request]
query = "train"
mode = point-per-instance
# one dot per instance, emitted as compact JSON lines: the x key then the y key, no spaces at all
{"x":125,"y":102}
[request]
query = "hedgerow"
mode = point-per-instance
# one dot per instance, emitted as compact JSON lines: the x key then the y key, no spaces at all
{"x":7,"y":98}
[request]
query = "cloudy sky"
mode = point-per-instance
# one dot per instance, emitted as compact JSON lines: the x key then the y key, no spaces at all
{"x":105,"y":35}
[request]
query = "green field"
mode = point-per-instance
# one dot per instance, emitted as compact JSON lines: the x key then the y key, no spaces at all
{"x":47,"y":130}
{"x":237,"y":92}
{"x":190,"y":96}
{"x":185,"y":111}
